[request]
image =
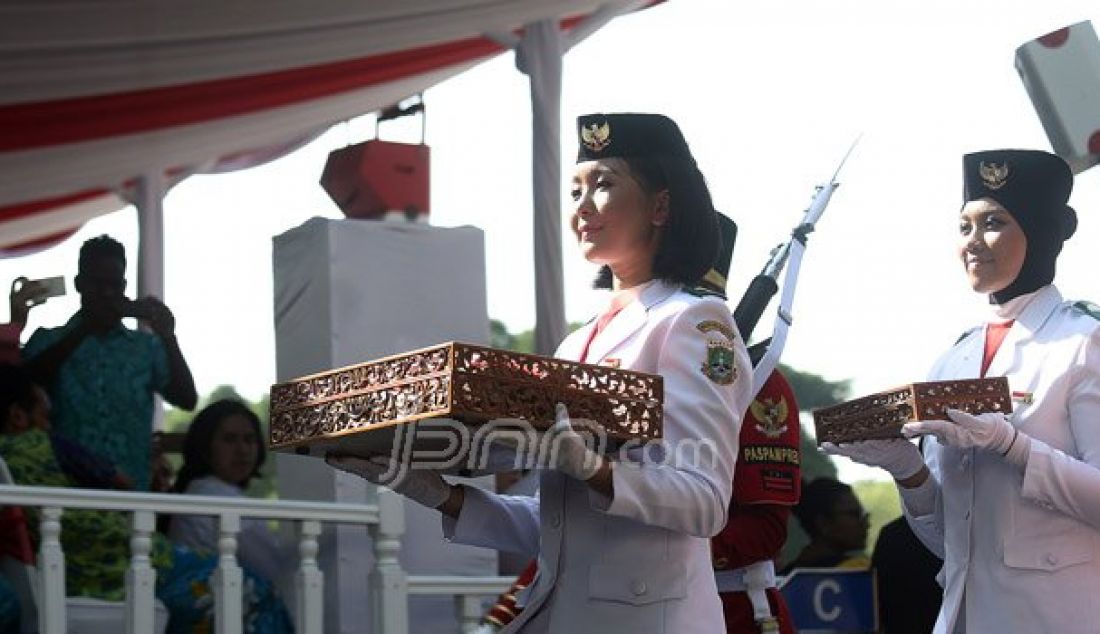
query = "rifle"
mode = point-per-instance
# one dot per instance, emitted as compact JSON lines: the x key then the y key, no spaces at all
{"x":764,"y":286}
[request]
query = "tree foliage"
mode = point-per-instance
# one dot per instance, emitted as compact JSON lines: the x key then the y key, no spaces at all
{"x":814,"y":391}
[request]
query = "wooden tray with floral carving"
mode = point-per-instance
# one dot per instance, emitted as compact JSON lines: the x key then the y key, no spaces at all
{"x":366,"y":408}
{"x":881,"y":415}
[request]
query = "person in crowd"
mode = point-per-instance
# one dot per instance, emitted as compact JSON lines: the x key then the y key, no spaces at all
{"x":836,"y":523}
{"x":1011,"y":500}
{"x":25,"y":405}
{"x":222,"y":452}
{"x":101,"y":375}
{"x":623,"y":538}
{"x":908,"y":596}
{"x":96,"y":543}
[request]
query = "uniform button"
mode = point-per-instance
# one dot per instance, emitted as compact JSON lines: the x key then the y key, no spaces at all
{"x":555,"y":520}
{"x":638,"y":587}
{"x":1052,"y":559}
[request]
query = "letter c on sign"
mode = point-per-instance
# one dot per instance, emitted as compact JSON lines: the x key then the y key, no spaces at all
{"x":827,"y":585}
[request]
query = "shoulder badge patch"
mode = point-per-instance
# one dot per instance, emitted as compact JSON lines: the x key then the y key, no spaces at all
{"x":1090,"y":309}
{"x":719,"y":365}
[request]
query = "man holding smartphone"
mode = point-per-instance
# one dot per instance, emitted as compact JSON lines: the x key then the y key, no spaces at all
{"x":102,"y":375}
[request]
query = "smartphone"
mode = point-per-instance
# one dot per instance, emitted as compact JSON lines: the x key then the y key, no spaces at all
{"x":52,"y":286}
{"x":135,"y":308}
{"x":47,"y":287}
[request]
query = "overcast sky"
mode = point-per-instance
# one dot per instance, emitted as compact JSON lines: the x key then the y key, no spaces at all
{"x":769,"y":94}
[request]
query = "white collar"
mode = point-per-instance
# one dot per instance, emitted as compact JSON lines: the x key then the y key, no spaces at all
{"x":1011,"y":309}
{"x":625,"y":297}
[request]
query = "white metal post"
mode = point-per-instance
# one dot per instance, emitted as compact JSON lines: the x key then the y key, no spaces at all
{"x":539,"y":57}
{"x":149,"y":201}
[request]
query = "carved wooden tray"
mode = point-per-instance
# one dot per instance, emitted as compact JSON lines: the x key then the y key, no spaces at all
{"x":366,"y":408}
{"x":881,"y":415}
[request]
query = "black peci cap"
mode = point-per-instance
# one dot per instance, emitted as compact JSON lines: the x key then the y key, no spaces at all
{"x":603,"y":136}
{"x":1032,"y":185}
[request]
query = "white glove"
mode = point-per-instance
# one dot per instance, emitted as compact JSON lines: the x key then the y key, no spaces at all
{"x":422,"y":486}
{"x":565,"y":450}
{"x":990,"y":431}
{"x":900,"y":458}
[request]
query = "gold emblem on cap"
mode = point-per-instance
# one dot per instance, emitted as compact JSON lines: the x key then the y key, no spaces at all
{"x":596,"y":137}
{"x":993,"y":175}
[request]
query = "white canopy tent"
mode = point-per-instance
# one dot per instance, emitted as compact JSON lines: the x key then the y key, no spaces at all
{"x":113,"y":102}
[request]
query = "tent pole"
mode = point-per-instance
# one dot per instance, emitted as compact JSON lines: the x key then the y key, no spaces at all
{"x":149,"y":201}
{"x":539,"y":56}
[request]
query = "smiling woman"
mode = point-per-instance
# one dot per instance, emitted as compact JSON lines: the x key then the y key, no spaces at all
{"x":621,"y":539}
{"x":993,"y":246}
{"x":1010,"y":502}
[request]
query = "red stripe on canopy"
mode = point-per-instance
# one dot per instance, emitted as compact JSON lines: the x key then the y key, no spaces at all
{"x":36,"y":245}
{"x":12,"y":212}
{"x":31,"y":125}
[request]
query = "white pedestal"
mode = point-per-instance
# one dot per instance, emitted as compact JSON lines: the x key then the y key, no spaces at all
{"x":347,"y":291}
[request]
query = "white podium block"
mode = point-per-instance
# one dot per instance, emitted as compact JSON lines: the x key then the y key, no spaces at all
{"x":347,"y":291}
{"x":1061,"y":72}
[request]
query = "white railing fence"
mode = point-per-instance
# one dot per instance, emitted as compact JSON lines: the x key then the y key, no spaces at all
{"x":389,"y":585}
{"x":468,"y":593}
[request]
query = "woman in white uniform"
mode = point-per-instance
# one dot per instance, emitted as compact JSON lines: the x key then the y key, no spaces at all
{"x":622,"y":539}
{"x":1012,"y":503}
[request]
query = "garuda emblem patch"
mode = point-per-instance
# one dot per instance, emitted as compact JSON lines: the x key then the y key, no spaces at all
{"x":771,"y":416}
{"x":596,"y":137}
{"x":993,"y":175}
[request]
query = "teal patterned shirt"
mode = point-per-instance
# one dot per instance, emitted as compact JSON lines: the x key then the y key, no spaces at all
{"x":103,"y":394}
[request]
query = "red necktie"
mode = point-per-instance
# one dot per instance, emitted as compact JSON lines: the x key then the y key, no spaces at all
{"x":601,"y":323}
{"x":994,"y":335}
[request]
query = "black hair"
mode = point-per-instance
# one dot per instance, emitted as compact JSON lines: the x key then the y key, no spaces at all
{"x":200,"y":436}
{"x":819,"y":498}
{"x":103,"y":246}
{"x":16,"y":388}
{"x":690,"y":238}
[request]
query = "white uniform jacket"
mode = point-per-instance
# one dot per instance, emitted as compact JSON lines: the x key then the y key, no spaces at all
{"x":640,"y":562}
{"x":1022,"y":548}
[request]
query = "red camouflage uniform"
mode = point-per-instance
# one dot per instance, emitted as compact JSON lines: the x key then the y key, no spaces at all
{"x":766,"y":485}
